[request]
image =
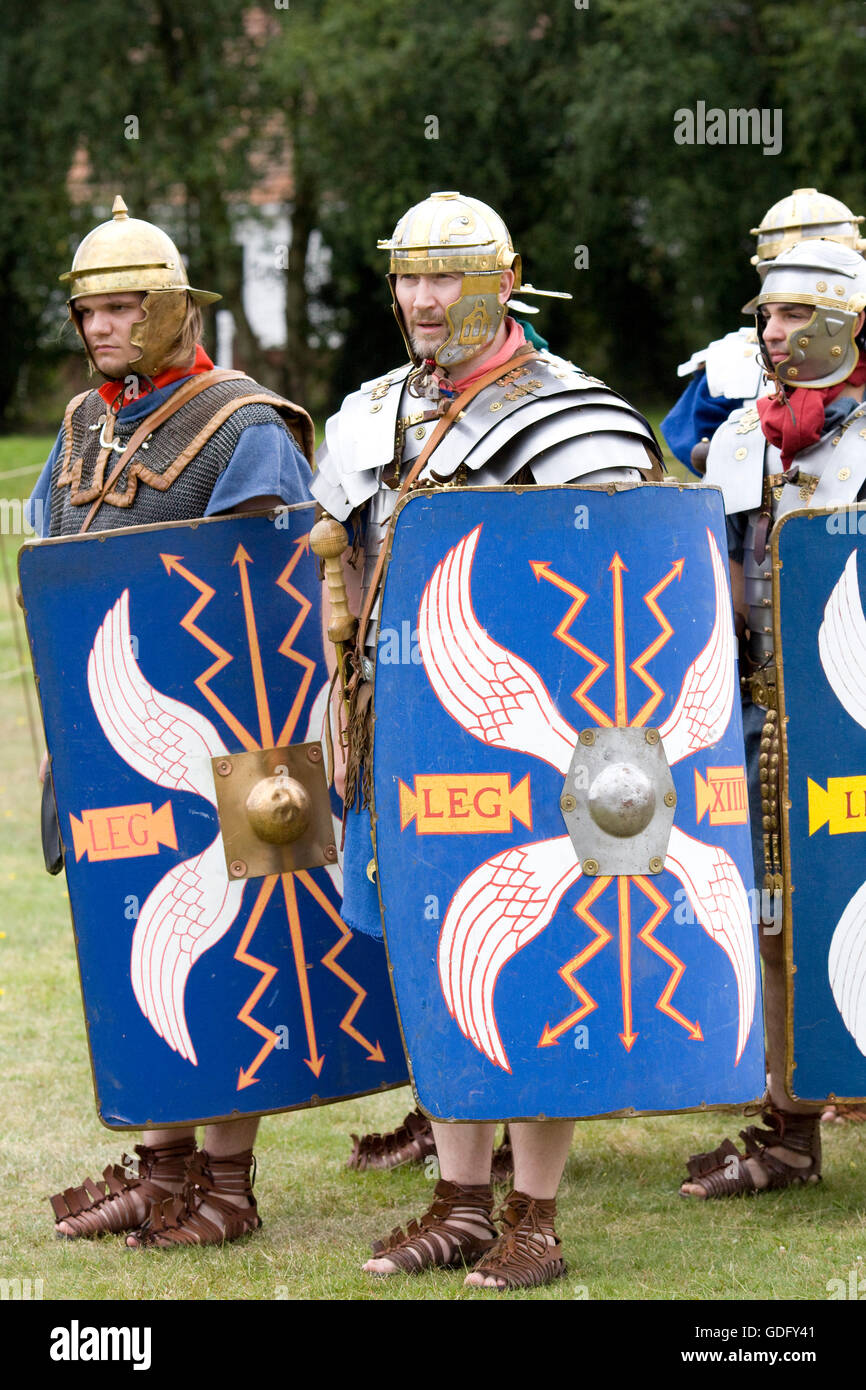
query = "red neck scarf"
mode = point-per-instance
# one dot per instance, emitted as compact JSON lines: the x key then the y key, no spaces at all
{"x":794,"y":421}
{"x":113,"y":391}
{"x":514,"y":338}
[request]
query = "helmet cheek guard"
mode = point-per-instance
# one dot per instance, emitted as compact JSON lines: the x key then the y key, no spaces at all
{"x":473,"y":319}
{"x":164,"y":314}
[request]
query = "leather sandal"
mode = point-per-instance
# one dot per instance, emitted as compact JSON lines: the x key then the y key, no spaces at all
{"x":844,"y":1114}
{"x":725,"y":1173}
{"x":456,"y":1229}
{"x":180,"y":1220}
{"x":411,"y":1142}
{"x":96,"y":1209}
{"x":528,"y":1253}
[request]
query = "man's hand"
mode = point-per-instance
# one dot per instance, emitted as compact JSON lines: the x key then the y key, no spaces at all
{"x":353,"y":577}
{"x":339,"y":750}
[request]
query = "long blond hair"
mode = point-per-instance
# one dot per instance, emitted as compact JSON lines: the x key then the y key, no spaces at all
{"x":181,"y":352}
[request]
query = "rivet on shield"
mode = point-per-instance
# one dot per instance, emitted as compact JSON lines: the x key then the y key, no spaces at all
{"x":314,"y":753}
{"x":567,"y":803}
{"x":656,"y":865}
{"x":237,"y":868}
{"x":331,"y":853}
{"x":590,"y":867}
{"x":224,"y":767}
{"x":587,"y":736}
{"x":670,"y":798}
{"x":652,"y":735}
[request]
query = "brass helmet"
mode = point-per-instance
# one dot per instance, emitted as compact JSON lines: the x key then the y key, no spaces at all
{"x":831,"y":279}
{"x":449,"y":232}
{"x":804,"y":215}
{"x":127,"y":254}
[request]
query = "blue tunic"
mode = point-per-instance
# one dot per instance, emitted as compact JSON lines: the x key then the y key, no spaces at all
{"x":696,"y":416}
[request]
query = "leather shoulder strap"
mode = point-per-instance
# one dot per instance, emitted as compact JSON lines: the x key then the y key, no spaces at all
{"x":184,"y":393}
{"x":67,"y":428}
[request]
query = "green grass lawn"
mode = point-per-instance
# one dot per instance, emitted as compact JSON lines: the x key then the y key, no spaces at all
{"x":626,"y":1232}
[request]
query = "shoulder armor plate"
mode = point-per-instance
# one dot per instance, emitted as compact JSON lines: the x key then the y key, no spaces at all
{"x":519,"y":419}
{"x":732,"y":366}
{"x":513,"y":422}
{"x":735,"y":462}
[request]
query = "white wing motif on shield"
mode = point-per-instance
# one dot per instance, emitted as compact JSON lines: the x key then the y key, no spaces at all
{"x":502,"y":701}
{"x":493,"y":694}
{"x":719,"y":900}
{"x":842,"y":650}
{"x":703,"y":707}
{"x":842,"y":643}
{"x":496,"y":911}
{"x":195,"y":903}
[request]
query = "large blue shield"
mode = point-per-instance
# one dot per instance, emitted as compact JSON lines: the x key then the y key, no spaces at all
{"x":560,"y":804}
{"x":818,"y":569}
{"x":165,"y":657}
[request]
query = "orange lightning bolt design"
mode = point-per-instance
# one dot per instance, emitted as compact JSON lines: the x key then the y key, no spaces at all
{"x":302,"y":547}
{"x":375,"y":1054}
{"x":639,"y":664}
{"x":247,"y":1075}
{"x":663,"y":1003}
{"x":568,"y":972}
{"x":541,"y":569}
{"x":626,"y":1037}
{"x":187,"y":622}
{"x":242,"y":559}
{"x":315,"y":1061}
{"x":616,"y":567}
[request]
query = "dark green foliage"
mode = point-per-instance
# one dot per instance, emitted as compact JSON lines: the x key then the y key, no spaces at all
{"x":561,"y":117}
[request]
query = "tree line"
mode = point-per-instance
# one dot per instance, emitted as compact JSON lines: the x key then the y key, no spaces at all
{"x":570,"y":119}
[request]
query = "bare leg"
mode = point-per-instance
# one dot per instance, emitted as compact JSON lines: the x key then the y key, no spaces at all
{"x":231,"y":1137}
{"x":221,"y":1141}
{"x":464,"y":1153}
{"x":540,"y":1153}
